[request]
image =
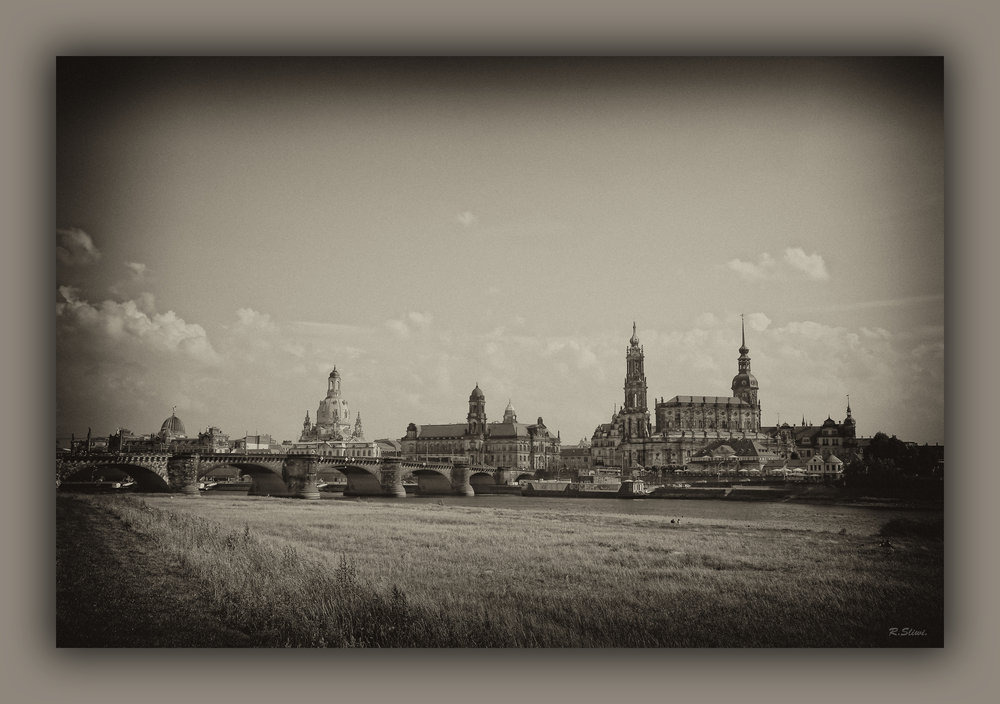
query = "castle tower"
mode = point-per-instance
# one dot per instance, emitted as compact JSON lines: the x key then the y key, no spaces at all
{"x":476,"y":420}
{"x":359,"y":434}
{"x":745,"y":386}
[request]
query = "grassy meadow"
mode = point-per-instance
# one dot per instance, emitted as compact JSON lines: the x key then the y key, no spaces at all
{"x":286,"y":572}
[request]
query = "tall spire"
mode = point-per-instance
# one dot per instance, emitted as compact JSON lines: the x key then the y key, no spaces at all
{"x":744,"y":360}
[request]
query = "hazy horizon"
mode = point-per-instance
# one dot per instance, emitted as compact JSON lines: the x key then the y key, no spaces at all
{"x":231,"y":229}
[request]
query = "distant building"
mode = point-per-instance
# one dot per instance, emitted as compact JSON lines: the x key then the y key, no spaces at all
{"x":214,"y":441}
{"x":831,"y":438}
{"x":507,"y":444}
{"x":332,"y":435}
{"x":389,"y":447}
{"x":335,"y":448}
{"x":333,"y":419}
{"x":733,"y":457}
{"x":686,"y":427}
{"x":261,"y":442}
{"x":576,"y":458}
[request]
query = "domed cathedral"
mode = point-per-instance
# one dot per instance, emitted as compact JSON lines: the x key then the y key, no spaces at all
{"x":506,"y":444}
{"x":333,"y":419}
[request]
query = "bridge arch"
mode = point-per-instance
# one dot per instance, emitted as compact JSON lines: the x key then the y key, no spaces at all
{"x":266,"y":480}
{"x":431,"y":480}
{"x":362,"y":480}
{"x":146,"y":480}
{"x":482,"y":478}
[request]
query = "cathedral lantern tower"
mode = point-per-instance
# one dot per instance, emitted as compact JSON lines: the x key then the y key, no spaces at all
{"x":745,"y":385}
{"x":635,"y":413}
{"x":333,"y":386}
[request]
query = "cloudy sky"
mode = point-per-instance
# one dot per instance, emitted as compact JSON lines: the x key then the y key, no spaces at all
{"x":229,"y":230}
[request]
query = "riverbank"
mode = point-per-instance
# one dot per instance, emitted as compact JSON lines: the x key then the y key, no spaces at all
{"x":551,"y":573}
{"x":116,"y":588}
{"x":798,"y":493}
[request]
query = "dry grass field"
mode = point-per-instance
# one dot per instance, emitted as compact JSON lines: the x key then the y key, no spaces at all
{"x":282,"y":572}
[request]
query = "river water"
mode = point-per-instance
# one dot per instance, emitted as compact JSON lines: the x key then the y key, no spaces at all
{"x":789,"y":516}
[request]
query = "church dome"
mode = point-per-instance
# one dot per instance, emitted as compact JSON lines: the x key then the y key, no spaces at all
{"x":334,"y":374}
{"x":172,"y":426}
{"x":634,"y":341}
{"x":476,"y":393}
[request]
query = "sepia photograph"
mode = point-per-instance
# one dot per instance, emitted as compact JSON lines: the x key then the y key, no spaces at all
{"x":500,"y":352}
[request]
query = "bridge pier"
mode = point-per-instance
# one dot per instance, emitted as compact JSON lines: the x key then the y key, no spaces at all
{"x":182,"y":471}
{"x":392,"y":479}
{"x":504,"y":476}
{"x":299,"y":474}
{"x":460,"y":474}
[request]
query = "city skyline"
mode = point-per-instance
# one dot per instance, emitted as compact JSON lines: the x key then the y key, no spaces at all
{"x":230,"y":230}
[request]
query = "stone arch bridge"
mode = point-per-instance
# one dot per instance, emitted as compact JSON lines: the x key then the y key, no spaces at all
{"x":291,"y":475}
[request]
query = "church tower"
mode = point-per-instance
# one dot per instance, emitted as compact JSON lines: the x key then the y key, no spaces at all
{"x":635,"y":413}
{"x":850,"y":425}
{"x":745,"y":385}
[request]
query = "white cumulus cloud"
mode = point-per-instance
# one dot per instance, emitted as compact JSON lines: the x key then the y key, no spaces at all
{"x":812,"y":265}
{"x":794,"y":263}
{"x":112,"y":324}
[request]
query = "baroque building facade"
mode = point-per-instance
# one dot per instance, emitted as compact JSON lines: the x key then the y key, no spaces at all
{"x":684,"y":426}
{"x":505,"y":444}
